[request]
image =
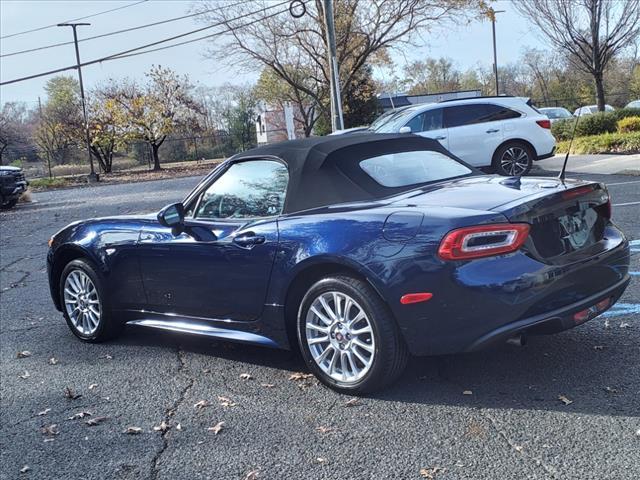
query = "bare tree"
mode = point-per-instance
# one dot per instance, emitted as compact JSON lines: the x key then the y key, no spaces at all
{"x":592,"y":32}
{"x":290,"y":46}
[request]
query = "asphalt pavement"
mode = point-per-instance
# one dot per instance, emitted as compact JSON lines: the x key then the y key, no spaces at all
{"x":562,"y":407}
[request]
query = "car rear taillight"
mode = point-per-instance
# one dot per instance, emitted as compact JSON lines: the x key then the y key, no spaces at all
{"x":605,"y":209}
{"x":483,"y":241}
{"x":544,"y":123}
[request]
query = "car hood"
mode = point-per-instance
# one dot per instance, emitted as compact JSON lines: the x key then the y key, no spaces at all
{"x":9,"y":168}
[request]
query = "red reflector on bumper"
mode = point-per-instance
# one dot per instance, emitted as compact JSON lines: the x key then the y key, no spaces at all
{"x":415,"y":298}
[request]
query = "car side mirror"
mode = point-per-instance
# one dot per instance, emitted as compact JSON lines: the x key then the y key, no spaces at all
{"x":404,"y":130}
{"x":172,"y":215}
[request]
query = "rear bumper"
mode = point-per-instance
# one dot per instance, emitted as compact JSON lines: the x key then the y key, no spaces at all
{"x":551,"y":322}
{"x":547,"y":155}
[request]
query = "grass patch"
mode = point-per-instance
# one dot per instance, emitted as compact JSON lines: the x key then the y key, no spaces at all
{"x":46,"y":183}
{"x":619,"y":143}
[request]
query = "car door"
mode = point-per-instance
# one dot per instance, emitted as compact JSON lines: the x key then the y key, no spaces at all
{"x":475,"y":131}
{"x":429,"y":124}
{"x":219,"y":265}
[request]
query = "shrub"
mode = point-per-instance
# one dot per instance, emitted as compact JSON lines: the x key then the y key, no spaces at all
{"x":629,"y":124}
{"x":563,"y":129}
{"x":626,"y":112}
{"x":596,"y":124}
{"x":605,"y":143}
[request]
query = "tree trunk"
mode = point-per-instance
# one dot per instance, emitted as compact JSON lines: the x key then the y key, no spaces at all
{"x":156,"y":158}
{"x":599,"y":91}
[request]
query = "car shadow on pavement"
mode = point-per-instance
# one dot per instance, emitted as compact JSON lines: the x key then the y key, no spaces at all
{"x":591,"y":372}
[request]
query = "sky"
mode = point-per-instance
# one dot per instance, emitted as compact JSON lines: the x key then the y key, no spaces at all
{"x":467,"y":45}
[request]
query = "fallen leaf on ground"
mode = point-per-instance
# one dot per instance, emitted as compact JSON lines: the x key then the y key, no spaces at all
{"x":92,"y":422}
{"x":70,"y":394}
{"x":106,"y":357}
{"x":467,"y":392}
{"x":79,"y":415}
{"x":163,"y":427}
{"x":300,"y":376}
{"x":321,"y":460}
{"x":624,"y":325}
{"x":638,"y":432}
{"x":50,"y":430}
{"x":216,"y":428}
{"x":518,"y":448}
{"x":606,"y":324}
{"x":44,"y":412}
{"x":226,"y":402}
{"x":565,"y":400}
{"x":201,"y":404}
{"x":267,"y":385}
{"x":25,"y":375}
{"x":323,"y":429}
{"x":246,"y":376}
{"x":430,"y":473}
{"x":179,"y":427}
{"x":25,"y":469}
{"x":252,"y":475}
{"x":354,"y":402}
{"x":206,"y":370}
{"x":92,"y":386}
{"x":133,"y":430}
{"x":53,"y":361}
{"x":23,"y":354}
{"x":598,"y":347}
{"x":610,"y":390}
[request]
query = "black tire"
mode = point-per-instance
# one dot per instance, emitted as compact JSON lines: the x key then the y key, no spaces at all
{"x":9,"y":203}
{"x":107,"y":327}
{"x":513,"y":159}
{"x":390,"y":353}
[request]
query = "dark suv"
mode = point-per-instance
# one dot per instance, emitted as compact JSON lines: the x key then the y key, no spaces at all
{"x":12,"y":185}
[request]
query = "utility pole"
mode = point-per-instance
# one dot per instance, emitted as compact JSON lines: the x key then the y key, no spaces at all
{"x":93,"y":177}
{"x":492,"y":15}
{"x":334,"y":77}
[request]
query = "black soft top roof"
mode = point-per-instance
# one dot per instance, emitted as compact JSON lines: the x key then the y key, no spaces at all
{"x":325,"y":170}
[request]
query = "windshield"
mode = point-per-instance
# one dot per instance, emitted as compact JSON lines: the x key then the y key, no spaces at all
{"x":382,"y":119}
{"x":394,"y":122}
{"x":410,"y":168}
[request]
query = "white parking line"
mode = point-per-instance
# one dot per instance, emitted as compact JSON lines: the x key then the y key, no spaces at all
{"x":625,"y":204}
{"x":622,"y":183}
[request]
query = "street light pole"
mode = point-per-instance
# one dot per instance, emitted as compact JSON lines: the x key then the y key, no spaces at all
{"x":492,"y":14}
{"x":334,"y":77}
{"x":92,"y":175}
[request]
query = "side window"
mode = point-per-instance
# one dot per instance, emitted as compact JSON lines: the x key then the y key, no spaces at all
{"x":415,"y":124}
{"x":251,"y":189}
{"x":476,"y":113}
{"x":429,"y":120}
{"x":499,"y":112}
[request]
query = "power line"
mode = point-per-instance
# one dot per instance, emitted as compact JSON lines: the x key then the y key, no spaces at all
{"x":126,"y":53}
{"x":130,"y":29}
{"x":73,"y":20}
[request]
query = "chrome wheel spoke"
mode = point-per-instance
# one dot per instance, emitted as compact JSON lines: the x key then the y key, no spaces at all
{"x":82,"y":302}
{"x":340,"y":336}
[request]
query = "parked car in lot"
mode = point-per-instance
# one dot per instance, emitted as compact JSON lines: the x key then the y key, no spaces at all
{"x":556,"y":113}
{"x":500,"y":132}
{"x":633,"y":104}
{"x":12,"y":185}
{"x":591,"y":109}
{"x":358,"y":249}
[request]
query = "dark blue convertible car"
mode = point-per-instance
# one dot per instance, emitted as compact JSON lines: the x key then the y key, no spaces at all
{"x":358,"y":249}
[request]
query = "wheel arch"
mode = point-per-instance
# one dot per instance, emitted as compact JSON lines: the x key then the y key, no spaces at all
{"x":514,"y":140}
{"x":310,"y":272}
{"x":64,"y":255}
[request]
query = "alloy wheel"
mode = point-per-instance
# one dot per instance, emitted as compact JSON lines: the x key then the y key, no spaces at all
{"x":82,"y":302}
{"x":340,"y":337}
{"x":515,"y":161}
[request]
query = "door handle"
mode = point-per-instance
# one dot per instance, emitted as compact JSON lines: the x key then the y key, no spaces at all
{"x":248,"y":240}
{"x":493,"y":130}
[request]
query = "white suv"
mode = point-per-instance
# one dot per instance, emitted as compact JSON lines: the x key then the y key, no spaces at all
{"x":505,"y":133}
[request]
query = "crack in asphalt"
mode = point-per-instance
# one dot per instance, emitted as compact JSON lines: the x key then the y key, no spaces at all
{"x":552,"y":472}
{"x":19,"y":283}
{"x":170,"y":412}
